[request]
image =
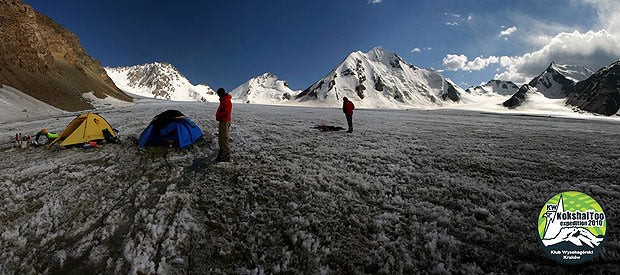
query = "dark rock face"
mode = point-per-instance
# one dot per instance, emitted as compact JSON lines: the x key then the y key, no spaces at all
{"x":544,"y":80}
{"x":518,"y":97}
{"x":46,"y":61}
{"x":379,"y":84}
{"x":452,"y":93}
{"x":600,"y":93}
{"x":360,"y":90}
{"x":311,"y":91}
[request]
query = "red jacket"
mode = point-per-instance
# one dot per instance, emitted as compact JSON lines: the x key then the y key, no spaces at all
{"x":223,"y":112}
{"x":347,"y":108}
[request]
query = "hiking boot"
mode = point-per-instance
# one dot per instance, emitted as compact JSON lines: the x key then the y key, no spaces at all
{"x":350,"y":130}
{"x":218,"y":158}
{"x":223,"y":158}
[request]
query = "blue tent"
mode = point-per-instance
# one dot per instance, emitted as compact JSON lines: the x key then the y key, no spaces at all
{"x":170,"y":128}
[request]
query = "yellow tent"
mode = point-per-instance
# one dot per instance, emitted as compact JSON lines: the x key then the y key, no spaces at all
{"x":85,"y":128}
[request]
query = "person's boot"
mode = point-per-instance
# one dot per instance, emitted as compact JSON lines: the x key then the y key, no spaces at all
{"x":350,"y":130}
{"x":219,"y":157}
{"x":225,"y":158}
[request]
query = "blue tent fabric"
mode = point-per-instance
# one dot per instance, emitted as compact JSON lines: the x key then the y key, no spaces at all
{"x":180,"y":131}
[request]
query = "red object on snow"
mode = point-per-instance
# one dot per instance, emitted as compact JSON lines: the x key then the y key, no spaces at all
{"x":347,"y":107}
{"x":223,"y":112}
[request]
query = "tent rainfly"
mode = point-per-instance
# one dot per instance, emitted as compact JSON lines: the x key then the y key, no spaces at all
{"x":83,"y":129}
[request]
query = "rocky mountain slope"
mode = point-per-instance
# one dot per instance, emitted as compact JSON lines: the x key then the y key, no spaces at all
{"x":600,"y":93}
{"x":46,"y":61}
{"x":380,"y":78}
{"x":159,"y":80}
{"x":554,"y":83}
{"x":264,"y":89}
{"x":556,"y":79}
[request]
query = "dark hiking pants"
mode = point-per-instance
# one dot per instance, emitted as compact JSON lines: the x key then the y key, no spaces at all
{"x":350,"y":121}
{"x":224,"y":141}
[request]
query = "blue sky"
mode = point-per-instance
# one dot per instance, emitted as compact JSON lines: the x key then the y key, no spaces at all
{"x":224,"y":43}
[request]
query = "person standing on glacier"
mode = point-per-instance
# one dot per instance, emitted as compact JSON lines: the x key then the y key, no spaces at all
{"x":347,"y":109}
{"x":223,"y":116}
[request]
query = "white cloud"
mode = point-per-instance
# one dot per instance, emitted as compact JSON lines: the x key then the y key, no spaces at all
{"x":480,"y":63}
{"x":591,"y":49}
{"x":375,"y":1}
{"x":506,"y":61}
{"x":417,"y":50}
{"x":508,"y":31}
{"x":608,"y":14}
{"x":455,"y":19}
{"x":455,"y":62}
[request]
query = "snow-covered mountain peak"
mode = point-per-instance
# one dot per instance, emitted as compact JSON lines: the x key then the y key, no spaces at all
{"x":264,"y":89}
{"x":379,"y":54}
{"x":557,"y":78}
{"x":159,"y":80}
{"x":380,"y":78}
{"x":572,"y":72}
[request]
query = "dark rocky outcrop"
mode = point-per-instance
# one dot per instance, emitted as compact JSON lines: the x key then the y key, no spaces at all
{"x":600,"y":93}
{"x":452,"y":93}
{"x":310,"y":92}
{"x":518,"y":97}
{"x":46,"y":61}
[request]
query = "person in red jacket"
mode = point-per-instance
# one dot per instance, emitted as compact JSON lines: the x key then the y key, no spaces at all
{"x":223,"y":116}
{"x":347,"y":109}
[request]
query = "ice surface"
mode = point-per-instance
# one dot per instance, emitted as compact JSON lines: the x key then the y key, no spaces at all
{"x":418,"y":191}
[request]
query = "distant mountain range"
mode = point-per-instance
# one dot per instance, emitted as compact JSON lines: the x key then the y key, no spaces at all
{"x":46,"y":61}
{"x":494,"y":87}
{"x":160,"y":81}
{"x":597,"y":93}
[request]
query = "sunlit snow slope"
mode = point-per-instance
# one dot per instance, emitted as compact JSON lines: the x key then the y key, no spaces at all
{"x":264,"y":89}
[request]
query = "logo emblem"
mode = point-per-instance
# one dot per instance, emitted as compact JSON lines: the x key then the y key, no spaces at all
{"x":572,"y":227}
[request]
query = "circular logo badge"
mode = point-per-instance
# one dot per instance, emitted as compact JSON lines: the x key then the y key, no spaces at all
{"x":572,"y":227}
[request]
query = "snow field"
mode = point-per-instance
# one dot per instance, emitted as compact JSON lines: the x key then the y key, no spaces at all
{"x":425,"y":191}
